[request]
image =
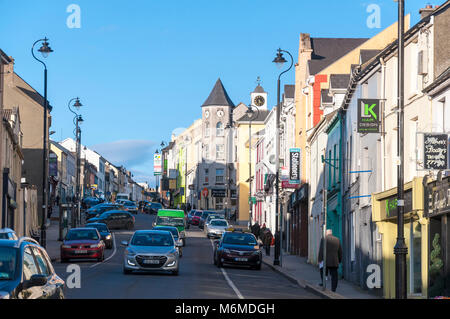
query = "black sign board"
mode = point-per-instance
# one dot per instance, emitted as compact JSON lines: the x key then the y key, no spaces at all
{"x":435,"y":151}
{"x":218,"y":192}
{"x":368,"y":116}
{"x":437,"y":198}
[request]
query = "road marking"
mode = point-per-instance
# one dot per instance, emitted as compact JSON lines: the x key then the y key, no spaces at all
{"x":230,"y":283}
{"x":114,"y":252}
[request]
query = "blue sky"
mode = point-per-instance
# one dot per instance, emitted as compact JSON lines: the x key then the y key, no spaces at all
{"x":143,"y":68}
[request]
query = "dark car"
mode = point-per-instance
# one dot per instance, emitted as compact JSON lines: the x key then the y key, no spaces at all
{"x":89,"y":202}
{"x":101,"y":208}
{"x":237,"y":248}
{"x":130,"y":206}
{"x":82,"y":243}
{"x":205,"y":214}
{"x":105,"y":233}
{"x":152,"y":208}
{"x":26,"y":271}
{"x":195,"y":220}
{"x":114,"y":219}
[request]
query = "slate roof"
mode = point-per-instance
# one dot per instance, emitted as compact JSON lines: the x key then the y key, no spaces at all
{"x":328,"y":50}
{"x":259,"y":89}
{"x":218,"y":96}
{"x":260,"y":118}
{"x":367,"y":55}
{"x":325,"y":98}
{"x":289,"y":91}
{"x":339,"y":81}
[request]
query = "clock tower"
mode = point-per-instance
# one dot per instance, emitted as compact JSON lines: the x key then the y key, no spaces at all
{"x":259,"y":97}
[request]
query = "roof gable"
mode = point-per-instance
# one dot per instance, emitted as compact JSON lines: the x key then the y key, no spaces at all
{"x":218,"y":96}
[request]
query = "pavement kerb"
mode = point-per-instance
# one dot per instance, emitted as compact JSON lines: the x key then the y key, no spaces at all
{"x":305,"y":285}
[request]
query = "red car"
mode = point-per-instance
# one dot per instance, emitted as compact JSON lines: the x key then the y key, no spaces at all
{"x":196,"y":217}
{"x":82,"y":243}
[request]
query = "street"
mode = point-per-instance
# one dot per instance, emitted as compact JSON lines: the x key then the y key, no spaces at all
{"x":198,"y":277}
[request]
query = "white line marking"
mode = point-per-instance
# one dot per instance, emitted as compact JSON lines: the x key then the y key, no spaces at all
{"x":238,"y":293}
{"x":114,"y":252}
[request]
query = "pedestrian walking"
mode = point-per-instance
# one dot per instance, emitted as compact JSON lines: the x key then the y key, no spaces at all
{"x":261,"y":232}
{"x":334,"y":258}
{"x":57,"y":200}
{"x":268,"y":237}
{"x":255,"y":229}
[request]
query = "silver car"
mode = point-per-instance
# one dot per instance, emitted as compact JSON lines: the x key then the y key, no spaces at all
{"x":216,"y":228}
{"x":151,"y":250}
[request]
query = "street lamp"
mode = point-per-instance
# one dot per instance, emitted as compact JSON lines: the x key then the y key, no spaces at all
{"x":77,"y":120}
{"x":279,"y":61}
{"x":45,"y":51}
{"x":400,"y":249}
{"x":251,"y":114}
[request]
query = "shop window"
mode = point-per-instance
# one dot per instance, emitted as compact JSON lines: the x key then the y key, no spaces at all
{"x":415,"y":258}
{"x":437,"y":283}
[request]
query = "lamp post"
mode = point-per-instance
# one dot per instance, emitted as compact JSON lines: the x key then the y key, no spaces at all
{"x":45,"y":51}
{"x":279,"y":61}
{"x":250,"y":113}
{"x":400,"y":249}
{"x":77,"y":120}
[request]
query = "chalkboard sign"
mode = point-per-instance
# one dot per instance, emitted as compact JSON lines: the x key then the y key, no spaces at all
{"x":435,"y":151}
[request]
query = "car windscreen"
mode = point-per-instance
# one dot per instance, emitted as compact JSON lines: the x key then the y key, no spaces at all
{"x":174,"y":231}
{"x":155,"y":205}
{"x":152,"y":239}
{"x":4,"y":236}
{"x":239,"y":239}
{"x":8,"y":258}
{"x":100,"y":227}
{"x":198,"y":213}
{"x":169,"y":221}
{"x":82,"y":234}
{"x":219,"y":223}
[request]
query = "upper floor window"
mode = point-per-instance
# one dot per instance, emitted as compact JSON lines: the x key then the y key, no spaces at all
{"x":220,"y":153}
{"x":207,"y":130}
{"x":219,"y":129}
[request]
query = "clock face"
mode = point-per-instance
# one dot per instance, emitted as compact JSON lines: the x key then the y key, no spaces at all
{"x":206,"y":114}
{"x":220,"y":113}
{"x":259,"y":100}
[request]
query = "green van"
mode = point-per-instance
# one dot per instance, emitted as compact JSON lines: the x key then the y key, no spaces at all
{"x":172,"y":217}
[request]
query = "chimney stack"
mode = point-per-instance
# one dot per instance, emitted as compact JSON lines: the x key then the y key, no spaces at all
{"x":425,"y":12}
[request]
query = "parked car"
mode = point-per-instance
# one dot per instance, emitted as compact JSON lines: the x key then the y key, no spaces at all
{"x":152,"y":208}
{"x":89,"y":202}
{"x":26,"y":271}
{"x":83,"y":243}
{"x":114,"y":219}
{"x":237,"y":248}
{"x":101,"y":208}
{"x":8,"y":233}
{"x":175,"y":234}
{"x":205,"y":214}
{"x":105,"y":233}
{"x":195,"y":220}
{"x":216,"y":228}
{"x":130,"y":206}
{"x":151,"y":250}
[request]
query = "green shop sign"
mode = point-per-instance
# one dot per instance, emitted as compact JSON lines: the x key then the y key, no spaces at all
{"x":368,"y":116}
{"x":390,"y":204}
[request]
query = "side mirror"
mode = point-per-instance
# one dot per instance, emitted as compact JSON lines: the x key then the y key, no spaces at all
{"x":124,"y":243}
{"x":154,"y":224}
{"x":35,"y":281}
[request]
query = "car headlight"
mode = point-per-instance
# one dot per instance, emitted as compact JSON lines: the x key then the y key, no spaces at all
{"x":130,"y":252}
{"x":96,"y":245}
{"x":65,"y":246}
{"x":108,"y":237}
{"x":226,"y":251}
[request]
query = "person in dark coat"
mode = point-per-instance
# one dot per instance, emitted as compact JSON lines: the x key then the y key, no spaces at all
{"x":261,"y":232}
{"x":268,"y":240}
{"x":255,"y":229}
{"x":334,"y":257}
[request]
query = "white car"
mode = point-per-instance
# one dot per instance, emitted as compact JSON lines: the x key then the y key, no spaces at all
{"x":216,"y":228}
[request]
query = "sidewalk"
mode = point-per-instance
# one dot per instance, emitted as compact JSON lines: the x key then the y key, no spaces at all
{"x":307,"y":276}
{"x":53,"y":245}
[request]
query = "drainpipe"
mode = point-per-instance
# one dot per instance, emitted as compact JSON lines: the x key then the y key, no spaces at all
{"x":383,"y":134}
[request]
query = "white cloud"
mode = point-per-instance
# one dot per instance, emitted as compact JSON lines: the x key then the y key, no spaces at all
{"x":129,"y":153}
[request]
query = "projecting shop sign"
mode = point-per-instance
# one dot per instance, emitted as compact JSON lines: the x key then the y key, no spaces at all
{"x":368,"y":116}
{"x":294,"y":166}
{"x":435,"y":151}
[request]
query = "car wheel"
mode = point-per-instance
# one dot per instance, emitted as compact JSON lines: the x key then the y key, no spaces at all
{"x":219,"y":263}
{"x":126,"y":271}
{"x":175,"y":272}
{"x":215,"y":260}
{"x":184,"y":242}
{"x":258,"y":267}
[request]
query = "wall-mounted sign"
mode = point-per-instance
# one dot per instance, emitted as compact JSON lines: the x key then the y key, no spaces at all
{"x":53,"y":165}
{"x":218,"y":192}
{"x":294,"y":166}
{"x":435,"y":151}
{"x":390,"y":204}
{"x":437,"y":198}
{"x":368,"y":116}
{"x":205,"y":192}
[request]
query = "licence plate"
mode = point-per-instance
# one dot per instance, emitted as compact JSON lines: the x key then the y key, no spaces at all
{"x":80,"y":252}
{"x":241,"y":259}
{"x":151,"y":261}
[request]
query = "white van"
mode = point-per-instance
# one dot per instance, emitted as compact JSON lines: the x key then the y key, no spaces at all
{"x":122,"y":196}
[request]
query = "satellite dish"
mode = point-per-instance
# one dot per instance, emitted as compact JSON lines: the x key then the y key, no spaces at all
{"x":272,"y":159}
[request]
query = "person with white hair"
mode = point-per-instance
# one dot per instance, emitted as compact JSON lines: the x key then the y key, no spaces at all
{"x":334,"y":257}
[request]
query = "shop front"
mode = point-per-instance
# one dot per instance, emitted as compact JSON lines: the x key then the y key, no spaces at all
{"x":298,"y":225}
{"x":437,"y":210}
{"x":384,"y":215}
